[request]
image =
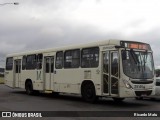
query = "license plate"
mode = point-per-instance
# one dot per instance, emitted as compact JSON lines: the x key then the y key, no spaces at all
{"x":139,"y":87}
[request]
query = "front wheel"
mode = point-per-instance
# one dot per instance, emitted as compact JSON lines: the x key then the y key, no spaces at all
{"x":88,"y":92}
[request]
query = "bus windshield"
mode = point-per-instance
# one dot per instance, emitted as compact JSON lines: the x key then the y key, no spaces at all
{"x":137,"y":64}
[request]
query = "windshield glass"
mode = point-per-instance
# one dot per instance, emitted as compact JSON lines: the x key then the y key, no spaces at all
{"x":137,"y":64}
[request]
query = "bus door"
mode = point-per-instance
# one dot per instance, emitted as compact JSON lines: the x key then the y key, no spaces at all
{"x":49,"y":69}
{"x":110,"y":73}
{"x":17,"y":71}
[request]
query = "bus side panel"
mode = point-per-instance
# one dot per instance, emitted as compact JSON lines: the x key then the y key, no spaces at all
{"x":70,"y":80}
{"x":35,"y":76}
{"x":9,"y":78}
{"x":67,"y":80}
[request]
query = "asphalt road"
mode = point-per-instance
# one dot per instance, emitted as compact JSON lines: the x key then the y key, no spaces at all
{"x":18,"y":100}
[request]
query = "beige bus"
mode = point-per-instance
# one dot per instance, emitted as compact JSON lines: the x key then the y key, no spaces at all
{"x":112,"y":68}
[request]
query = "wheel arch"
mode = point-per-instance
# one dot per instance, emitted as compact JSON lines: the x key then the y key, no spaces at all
{"x":28,"y":80}
{"x":86,"y":82}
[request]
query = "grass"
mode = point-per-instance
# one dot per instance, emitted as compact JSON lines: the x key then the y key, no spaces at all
{"x":1,"y":80}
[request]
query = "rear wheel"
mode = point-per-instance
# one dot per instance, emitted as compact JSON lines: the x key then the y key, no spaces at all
{"x":29,"y":88}
{"x":88,"y":92}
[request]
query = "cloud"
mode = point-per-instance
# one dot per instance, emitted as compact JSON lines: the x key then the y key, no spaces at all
{"x":39,"y":24}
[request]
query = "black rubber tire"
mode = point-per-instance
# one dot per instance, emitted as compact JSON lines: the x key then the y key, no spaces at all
{"x":88,"y":92}
{"x":29,"y":88}
{"x":152,"y":98}
{"x":36,"y":92}
{"x":55,"y":94}
{"x":118,"y":99}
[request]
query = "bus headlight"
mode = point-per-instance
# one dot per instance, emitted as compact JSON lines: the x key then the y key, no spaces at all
{"x":127,"y":84}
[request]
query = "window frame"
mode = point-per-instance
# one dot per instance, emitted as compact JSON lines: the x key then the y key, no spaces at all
{"x":9,"y":67}
{"x":33,"y":65}
{"x":73,"y":58}
{"x":93,"y":53}
{"x":61,"y":60}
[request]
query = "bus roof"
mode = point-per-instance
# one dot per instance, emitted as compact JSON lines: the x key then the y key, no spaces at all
{"x":91,"y":44}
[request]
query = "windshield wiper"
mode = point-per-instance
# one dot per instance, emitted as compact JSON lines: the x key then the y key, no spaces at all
{"x":135,"y":58}
{"x":144,"y":59}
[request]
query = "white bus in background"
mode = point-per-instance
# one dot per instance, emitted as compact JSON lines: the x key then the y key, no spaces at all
{"x":157,"y":91}
{"x":112,"y":68}
{"x":157,"y":88}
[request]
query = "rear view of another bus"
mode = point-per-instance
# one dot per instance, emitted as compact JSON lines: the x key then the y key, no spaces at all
{"x":138,"y":69}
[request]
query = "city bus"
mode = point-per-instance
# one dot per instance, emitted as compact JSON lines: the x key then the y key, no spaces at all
{"x":117,"y":69}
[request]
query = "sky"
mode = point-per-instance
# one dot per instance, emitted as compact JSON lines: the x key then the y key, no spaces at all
{"x":40,"y":24}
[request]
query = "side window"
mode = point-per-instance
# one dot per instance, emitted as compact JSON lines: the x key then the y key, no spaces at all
{"x":106,"y":62}
{"x":90,"y":57}
{"x":72,"y":59}
{"x":59,"y":60}
{"x":157,"y":82}
{"x":114,"y":64}
{"x":39,"y":61}
{"x":9,"y":63}
{"x":24,"y":63}
{"x":31,"y":62}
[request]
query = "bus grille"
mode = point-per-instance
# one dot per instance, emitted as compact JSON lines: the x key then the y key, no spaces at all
{"x":140,"y":93}
{"x":142,"y":82}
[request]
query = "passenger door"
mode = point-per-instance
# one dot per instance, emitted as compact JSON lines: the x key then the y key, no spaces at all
{"x":114,"y":72}
{"x":17,"y":71}
{"x":49,"y":72}
{"x":110,"y":72}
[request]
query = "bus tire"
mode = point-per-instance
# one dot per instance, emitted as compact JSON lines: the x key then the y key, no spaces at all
{"x":88,"y":92}
{"x":152,"y":98}
{"x":118,"y":99}
{"x":55,"y":94}
{"x":29,"y":88}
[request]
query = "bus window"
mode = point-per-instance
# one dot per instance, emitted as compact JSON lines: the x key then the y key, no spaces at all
{"x":90,"y":57}
{"x":39,"y":61}
{"x":9,"y":63}
{"x":72,"y":59}
{"x":47,"y":65}
{"x":114,"y":62}
{"x":105,"y":62}
{"x":18,"y":66}
{"x":31,"y":62}
{"x":157,"y":82}
{"x":24,"y":63}
{"x":59,"y":60}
